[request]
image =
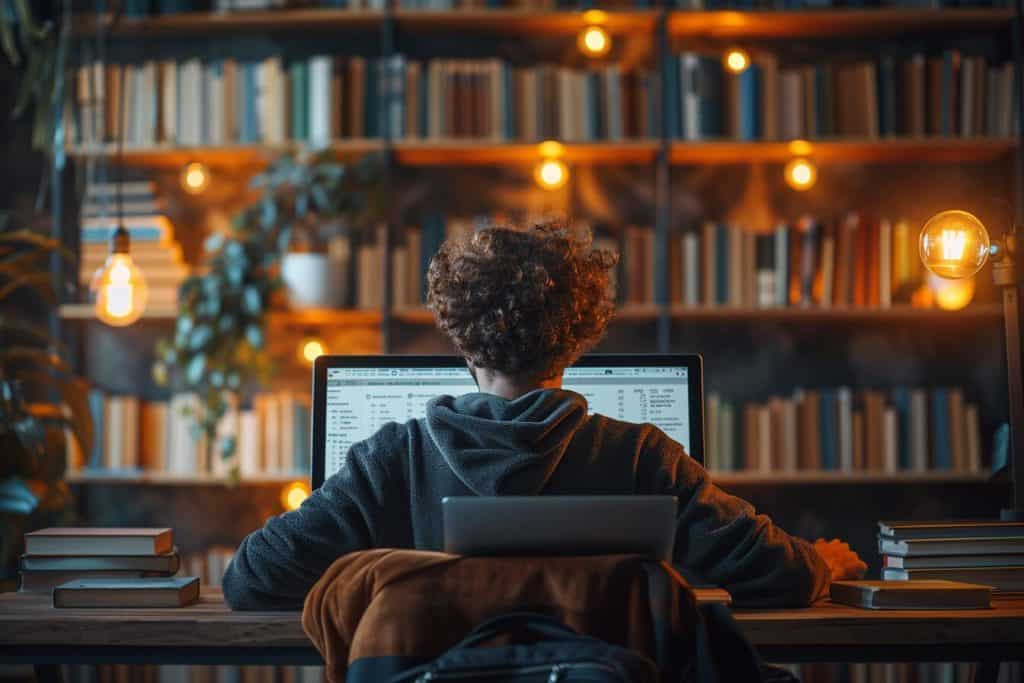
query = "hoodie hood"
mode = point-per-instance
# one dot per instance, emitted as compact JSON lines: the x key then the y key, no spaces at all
{"x":505,"y":447}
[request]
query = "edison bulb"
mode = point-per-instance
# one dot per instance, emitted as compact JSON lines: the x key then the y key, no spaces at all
{"x":736,"y":60}
{"x":801,"y":174}
{"x":195,"y":177}
{"x":119,"y":290}
{"x":954,"y":244}
{"x":594,"y":41}
{"x":293,"y":495}
{"x":552,"y":174}
{"x":310,"y":349}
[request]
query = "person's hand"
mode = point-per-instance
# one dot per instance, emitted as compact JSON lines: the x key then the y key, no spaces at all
{"x":840,"y":558}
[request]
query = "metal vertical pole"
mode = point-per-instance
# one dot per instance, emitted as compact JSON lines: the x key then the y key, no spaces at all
{"x":662,"y":198}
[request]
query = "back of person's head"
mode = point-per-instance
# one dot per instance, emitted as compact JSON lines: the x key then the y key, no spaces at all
{"x":526,"y":303}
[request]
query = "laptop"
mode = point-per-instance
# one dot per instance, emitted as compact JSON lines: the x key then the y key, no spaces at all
{"x":353,"y":396}
{"x":560,"y":525}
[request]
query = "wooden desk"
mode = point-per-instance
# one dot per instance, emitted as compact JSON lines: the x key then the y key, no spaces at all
{"x":209,"y":633}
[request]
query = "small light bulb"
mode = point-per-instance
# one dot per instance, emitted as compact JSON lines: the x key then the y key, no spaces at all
{"x":552,"y":174}
{"x":736,"y":60}
{"x":119,"y":290}
{"x":293,"y":495}
{"x":195,"y":177}
{"x":310,"y":349}
{"x":954,"y":244}
{"x":951,"y":295}
{"x":594,"y":41}
{"x":801,"y":174}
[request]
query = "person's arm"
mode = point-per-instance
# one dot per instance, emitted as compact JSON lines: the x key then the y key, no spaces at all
{"x":722,"y":540}
{"x":275,"y":566}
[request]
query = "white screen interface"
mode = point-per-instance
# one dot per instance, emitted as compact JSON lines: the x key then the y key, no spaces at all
{"x":361,"y":400}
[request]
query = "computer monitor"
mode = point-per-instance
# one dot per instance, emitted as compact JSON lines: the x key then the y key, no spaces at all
{"x":353,"y":396}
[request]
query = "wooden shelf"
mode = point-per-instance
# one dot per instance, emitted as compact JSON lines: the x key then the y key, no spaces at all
{"x":169,"y":479}
{"x":885,"y":150}
{"x":230,"y":23}
{"x":519,"y":22}
{"x":289,"y":319}
{"x":485,"y":152}
{"x":419,"y":315}
{"x":226,"y":157}
{"x":723,"y":313}
{"x":894,"y":478}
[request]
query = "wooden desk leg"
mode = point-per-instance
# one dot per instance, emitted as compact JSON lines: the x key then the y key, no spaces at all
{"x":48,"y":673}
{"x":986,"y":672}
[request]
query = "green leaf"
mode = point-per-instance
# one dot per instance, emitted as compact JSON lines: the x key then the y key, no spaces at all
{"x":254,"y":335}
{"x":31,"y":331}
{"x":8,"y":41}
{"x":194,"y":371}
{"x":214,"y":242}
{"x":200,"y":337}
{"x":30,"y":238}
{"x":27,"y":20}
{"x":252,"y":302}
{"x":38,"y":282}
{"x":35,"y":357}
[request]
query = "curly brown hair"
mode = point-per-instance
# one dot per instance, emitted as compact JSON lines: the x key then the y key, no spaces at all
{"x":526,"y":303}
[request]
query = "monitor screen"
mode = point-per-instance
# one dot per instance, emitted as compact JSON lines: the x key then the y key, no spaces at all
{"x":359,"y":400}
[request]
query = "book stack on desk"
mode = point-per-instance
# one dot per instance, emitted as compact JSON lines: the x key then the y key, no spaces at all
{"x":57,"y":555}
{"x":986,"y":552}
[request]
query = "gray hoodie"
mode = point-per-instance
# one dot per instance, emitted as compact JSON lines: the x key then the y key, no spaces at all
{"x":388,"y":495}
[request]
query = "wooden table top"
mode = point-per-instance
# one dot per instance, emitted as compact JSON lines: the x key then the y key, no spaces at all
{"x":29,"y":620}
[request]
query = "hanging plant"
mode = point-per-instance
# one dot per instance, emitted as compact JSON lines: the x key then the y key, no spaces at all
{"x":218,"y":349}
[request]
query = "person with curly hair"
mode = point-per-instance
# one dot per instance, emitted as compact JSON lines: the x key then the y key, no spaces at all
{"x":521,"y":306}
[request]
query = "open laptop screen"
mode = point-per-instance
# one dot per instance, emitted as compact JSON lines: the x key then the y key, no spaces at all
{"x":357,"y":399}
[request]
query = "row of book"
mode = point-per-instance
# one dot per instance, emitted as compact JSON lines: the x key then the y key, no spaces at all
{"x":131,"y":435}
{"x":855,"y":261}
{"x":949,"y":94}
{"x":845,"y":430}
{"x":987,"y":553}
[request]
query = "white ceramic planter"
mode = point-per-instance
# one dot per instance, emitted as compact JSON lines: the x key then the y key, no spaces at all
{"x":309,"y":280}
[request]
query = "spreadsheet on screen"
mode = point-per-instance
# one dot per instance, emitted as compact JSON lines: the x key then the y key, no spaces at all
{"x":361,"y":400}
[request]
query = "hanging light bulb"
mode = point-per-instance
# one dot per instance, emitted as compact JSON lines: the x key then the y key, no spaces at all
{"x":736,"y":60}
{"x":954,"y":244}
{"x":311,"y":348}
{"x":293,"y":495}
{"x":195,"y":177}
{"x":594,"y":41}
{"x":800,"y":174}
{"x":551,"y":174}
{"x":118,"y":286}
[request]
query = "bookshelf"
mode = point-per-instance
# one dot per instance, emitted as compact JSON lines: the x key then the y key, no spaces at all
{"x":277,"y":319}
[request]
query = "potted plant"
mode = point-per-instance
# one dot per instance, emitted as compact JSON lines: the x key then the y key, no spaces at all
{"x":218,"y":350}
{"x":40,"y":397}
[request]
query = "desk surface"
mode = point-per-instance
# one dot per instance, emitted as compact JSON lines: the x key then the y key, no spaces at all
{"x":28,"y":621}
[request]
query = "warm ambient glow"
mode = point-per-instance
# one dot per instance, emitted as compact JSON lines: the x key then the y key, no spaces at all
{"x":195,"y":177}
{"x":954,"y":244}
{"x":951,"y":295}
{"x":294,"y":494}
{"x":311,"y":348}
{"x":801,"y":174}
{"x":551,"y":174}
{"x":594,"y":41}
{"x":119,"y":290}
{"x":736,"y":60}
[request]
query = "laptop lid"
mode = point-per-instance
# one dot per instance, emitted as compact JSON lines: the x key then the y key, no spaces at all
{"x":560,"y":525}
{"x":353,"y":396}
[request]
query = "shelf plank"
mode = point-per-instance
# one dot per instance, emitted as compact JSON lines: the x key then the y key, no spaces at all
{"x":825,"y":477}
{"x":520,"y":22}
{"x":976,"y":312}
{"x":172,"y":479}
{"x":229,"y":23}
{"x":87,"y":312}
{"x":224,"y":157}
{"x":419,"y":315}
{"x":318,"y":317}
{"x":890,"y":150}
{"x":485,"y":152}
{"x":831,"y":23}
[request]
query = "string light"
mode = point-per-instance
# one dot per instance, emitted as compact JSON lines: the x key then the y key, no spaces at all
{"x":118,"y":286}
{"x":551,"y":174}
{"x":736,"y":60}
{"x":195,"y":177}
{"x":294,"y":494}
{"x":311,"y":348}
{"x":801,"y":174}
{"x":594,"y":41}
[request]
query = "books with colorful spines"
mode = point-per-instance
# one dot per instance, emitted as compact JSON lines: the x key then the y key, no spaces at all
{"x":1004,"y":579}
{"x":156,"y":592}
{"x":952,"y":561}
{"x":99,"y":541}
{"x":962,"y":528}
{"x":167,"y":563}
{"x":151,"y":228}
{"x":935,"y":594}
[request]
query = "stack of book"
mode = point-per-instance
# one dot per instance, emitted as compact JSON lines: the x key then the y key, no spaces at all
{"x":57,"y":555}
{"x":986,"y":552}
{"x":904,"y":429}
{"x":948,"y":94}
{"x":153,"y":247}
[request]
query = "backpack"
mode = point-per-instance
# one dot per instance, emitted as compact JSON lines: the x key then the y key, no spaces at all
{"x":543,"y":650}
